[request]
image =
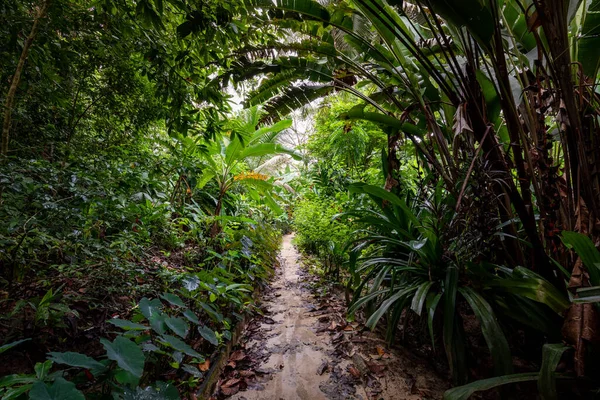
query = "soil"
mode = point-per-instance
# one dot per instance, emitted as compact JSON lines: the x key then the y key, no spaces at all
{"x":303,"y":348}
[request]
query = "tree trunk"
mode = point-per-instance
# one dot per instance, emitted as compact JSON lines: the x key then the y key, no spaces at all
{"x":14,"y":84}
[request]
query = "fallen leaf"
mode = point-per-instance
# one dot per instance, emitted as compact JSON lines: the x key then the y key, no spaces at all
{"x":230,"y":391}
{"x":337,"y":337}
{"x":204,"y":366}
{"x":322,"y":368}
{"x":355,"y":373}
{"x":231,"y":382}
{"x":246,"y":373}
{"x":231,"y":364}
{"x":237,"y":355}
{"x":377,"y":369}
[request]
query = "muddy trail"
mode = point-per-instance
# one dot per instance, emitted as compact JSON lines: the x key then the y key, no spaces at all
{"x":302,"y":348}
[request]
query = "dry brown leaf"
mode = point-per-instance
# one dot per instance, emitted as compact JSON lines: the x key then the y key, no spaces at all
{"x":355,"y":373}
{"x":204,"y":366}
{"x":246,"y":373}
{"x":230,"y":391}
{"x":377,"y":369}
{"x":230,"y":382}
{"x":237,"y":355}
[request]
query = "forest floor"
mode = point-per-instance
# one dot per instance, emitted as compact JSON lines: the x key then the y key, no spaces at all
{"x":303,"y":348}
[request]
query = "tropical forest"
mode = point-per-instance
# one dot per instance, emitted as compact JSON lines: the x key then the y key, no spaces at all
{"x":300,"y":199}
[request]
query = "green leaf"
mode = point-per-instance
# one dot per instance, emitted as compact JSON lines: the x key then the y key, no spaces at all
{"x":432,"y":303}
{"x":464,"y":392}
{"x":9,"y":346}
{"x":551,"y":355}
{"x":205,"y":178}
{"x":585,"y":249}
{"x":193,"y":318}
{"x":307,"y":8}
{"x":178,"y":325}
{"x":589,"y":40}
{"x":59,"y":390}
{"x":209,"y":335}
{"x":126,"y":378}
{"x":126,"y":353}
{"x":173,"y":299}
{"x":386,"y":304}
{"x":534,"y":288}
{"x":10,"y":380}
{"x":265,"y":149}
{"x":492,"y":332}
{"x":128,"y":325}
{"x":16,"y":392}
{"x":190,"y":369}
{"x":157,"y":322}
{"x":180,"y":345}
{"x":148,"y":308}
{"x":588,"y":295}
{"x":450,"y":289}
{"x":42,"y":369}
{"x":420,"y":297}
{"x":474,"y":15}
{"x":492,"y":100}
{"x":78,"y":360}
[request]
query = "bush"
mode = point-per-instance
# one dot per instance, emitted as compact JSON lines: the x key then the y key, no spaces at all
{"x":318,"y":232}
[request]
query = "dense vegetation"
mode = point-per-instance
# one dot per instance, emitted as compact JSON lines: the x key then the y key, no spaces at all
{"x":449,"y":182}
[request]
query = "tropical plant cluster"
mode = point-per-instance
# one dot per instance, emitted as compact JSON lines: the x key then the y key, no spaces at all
{"x":450,"y":183}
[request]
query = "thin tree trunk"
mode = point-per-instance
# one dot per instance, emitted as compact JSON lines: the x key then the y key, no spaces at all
{"x":10,"y":97}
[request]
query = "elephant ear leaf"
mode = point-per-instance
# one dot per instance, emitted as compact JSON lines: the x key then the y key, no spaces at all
{"x":126,"y":353}
{"x":59,"y":390}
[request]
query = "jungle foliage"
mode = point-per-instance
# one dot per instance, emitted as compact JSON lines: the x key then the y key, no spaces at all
{"x":450,"y":184}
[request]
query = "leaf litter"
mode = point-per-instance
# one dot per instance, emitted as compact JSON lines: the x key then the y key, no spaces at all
{"x":302,"y":347}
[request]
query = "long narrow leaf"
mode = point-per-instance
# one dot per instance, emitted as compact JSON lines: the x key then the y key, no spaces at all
{"x":492,"y":332}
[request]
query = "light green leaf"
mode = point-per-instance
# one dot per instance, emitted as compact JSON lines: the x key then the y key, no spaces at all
{"x":585,"y":249}
{"x":42,"y":369}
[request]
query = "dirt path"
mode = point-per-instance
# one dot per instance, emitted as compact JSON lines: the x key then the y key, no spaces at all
{"x":303,"y":349}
